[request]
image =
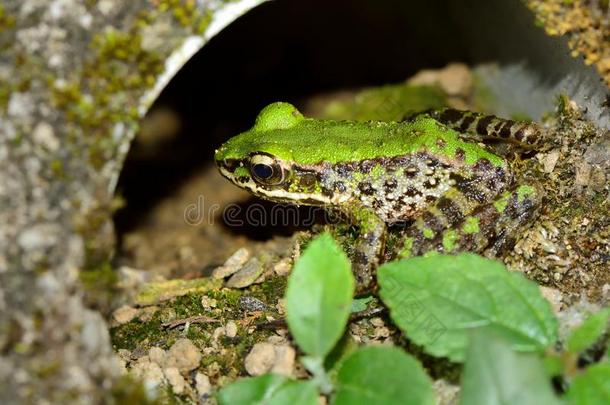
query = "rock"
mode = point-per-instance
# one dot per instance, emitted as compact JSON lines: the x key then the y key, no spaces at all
{"x":150,"y":373}
{"x":267,"y":357}
{"x":553,"y":296}
{"x":583,"y":174}
{"x":45,"y":136}
{"x":155,"y":292}
{"x":59,"y":171}
{"x":251,"y":304}
{"x":446,"y":393}
{"x":183,"y":355}
{"x":247,"y":275}
{"x":260,"y":359}
{"x":202,"y":385}
{"x":283,"y":267}
{"x":157,"y":355}
{"x":231,"y":329}
{"x":284,"y":360}
{"x":281,"y":306}
{"x":233,"y":263}
{"x":124,"y":314}
{"x":131,"y":279}
{"x":549,"y":161}
{"x":208,"y":303}
{"x":175,"y":380}
{"x":146,"y":314}
{"x":124,"y":354}
{"x":455,"y":79}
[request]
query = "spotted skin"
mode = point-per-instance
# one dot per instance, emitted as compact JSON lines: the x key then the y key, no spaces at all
{"x":446,"y":192}
{"x":485,"y":229}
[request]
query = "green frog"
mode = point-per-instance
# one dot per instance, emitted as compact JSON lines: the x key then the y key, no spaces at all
{"x":442,"y":179}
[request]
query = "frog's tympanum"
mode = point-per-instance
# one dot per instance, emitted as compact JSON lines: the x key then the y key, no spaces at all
{"x":444,"y":176}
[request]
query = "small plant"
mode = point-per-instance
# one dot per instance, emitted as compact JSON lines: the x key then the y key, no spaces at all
{"x":318,"y":303}
{"x":463,"y":307}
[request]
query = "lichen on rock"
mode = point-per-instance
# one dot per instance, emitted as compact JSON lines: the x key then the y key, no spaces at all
{"x":75,"y":78}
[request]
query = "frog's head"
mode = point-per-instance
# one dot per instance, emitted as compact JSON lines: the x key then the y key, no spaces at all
{"x":261,"y":160}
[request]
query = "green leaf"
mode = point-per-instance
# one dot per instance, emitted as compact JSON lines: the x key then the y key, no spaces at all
{"x":295,"y":393}
{"x":496,"y":374}
{"x":383,"y":375}
{"x":591,"y":387}
{"x":437,"y":300}
{"x":268,"y":389}
{"x":319,"y":296}
{"x":588,"y":332}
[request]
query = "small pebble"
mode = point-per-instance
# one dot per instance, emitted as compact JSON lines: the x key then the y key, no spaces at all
{"x":260,"y":359}
{"x":157,"y":355}
{"x":247,"y":275}
{"x":284,"y":360}
{"x":268,"y":357}
{"x":150,"y":373}
{"x":175,"y":379}
{"x":183,"y":355}
{"x":208,"y":303}
{"x":549,"y":161}
{"x":202,"y":385}
{"x":283,"y":267}
{"x":251,"y":304}
{"x":146,"y":314}
{"x":233,"y":264}
{"x":231,"y":329}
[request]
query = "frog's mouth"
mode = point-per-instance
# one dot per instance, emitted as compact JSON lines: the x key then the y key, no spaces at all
{"x":276,"y":193}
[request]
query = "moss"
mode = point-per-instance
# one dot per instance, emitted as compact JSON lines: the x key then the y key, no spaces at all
{"x":155,"y":292}
{"x":271,"y":290}
{"x":187,"y":14}
{"x":387,"y":103}
{"x":7,"y":21}
{"x":407,"y":249}
{"x":428,"y":233}
{"x":131,"y":335}
{"x":96,"y":101}
{"x":99,"y":284}
{"x":57,"y":167}
{"x":449,"y":239}
{"x":471,"y":225}
{"x":502,"y":202}
{"x":525,"y":191}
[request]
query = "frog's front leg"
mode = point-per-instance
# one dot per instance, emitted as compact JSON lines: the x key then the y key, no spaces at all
{"x":368,"y":247}
{"x":488,"y":228}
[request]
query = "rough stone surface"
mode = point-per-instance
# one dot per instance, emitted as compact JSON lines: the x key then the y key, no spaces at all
{"x":183,"y":355}
{"x":124,"y":314}
{"x":260,"y":359}
{"x":233,"y":264}
{"x":176,"y":380}
{"x":231,"y":329}
{"x":274,"y":356}
{"x":202,"y":385}
{"x":65,"y":126}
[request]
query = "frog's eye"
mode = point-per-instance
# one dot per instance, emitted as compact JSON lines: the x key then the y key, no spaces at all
{"x":266,"y":170}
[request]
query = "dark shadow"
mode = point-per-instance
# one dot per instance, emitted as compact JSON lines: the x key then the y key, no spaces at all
{"x":291,"y":49}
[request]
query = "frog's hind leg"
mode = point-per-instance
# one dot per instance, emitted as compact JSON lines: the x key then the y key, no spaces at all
{"x":483,"y":127}
{"x":490,"y":227}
